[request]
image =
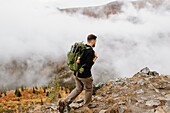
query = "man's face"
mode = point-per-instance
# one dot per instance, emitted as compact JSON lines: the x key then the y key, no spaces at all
{"x":94,"y":43}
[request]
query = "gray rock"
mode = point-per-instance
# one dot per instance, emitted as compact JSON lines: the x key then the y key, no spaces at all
{"x":117,"y":98}
{"x":118,"y":79}
{"x":167,"y":103}
{"x":114,"y":105}
{"x":163,"y":93}
{"x":80,"y":100}
{"x":144,"y":98}
{"x":162,"y":79}
{"x":153,"y":73}
{"x":166,"y":108}
{"x":37,"y":108}
{"x":48,"y":103}
{"x":108,"y":92}
{"x":112,"y":87}
{"x":115,"y":94}
{"x":118,"y":83}
{"x":75,"y":105}
{"x":147,"y":79}
{"x":54,"y":108}
{"x":160,"y":86}
{"x":101,"y":100}
{"x":152,"y":77}
{"x":159,"y":110}
{"x":149,"y":111}
{"x":124,"y":87}
{"x":139,"y":91}
{"x":97,"y":87}
{"x":121,"y":103}
{"x":166,"y":98}
{"x":145,"y":70}
{"x":103,"y":95}
{"x":140,"y":101}
{"x":152,"y":87}
{"x":139,"y":75}
{"x":47,"y":107}
{"x":127,"y":83}
{"x":129,"y":100}
{"x":153,"y":103}
{"x":137,"y":104}
{"x":141,"y":82}
{"x":53,"y":104}
{"x":121,"y":109}
{"x":103,"y":111}
{"x":98,"y":98}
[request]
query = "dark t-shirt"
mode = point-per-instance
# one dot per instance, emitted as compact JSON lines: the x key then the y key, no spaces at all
{"x":87,"y":59}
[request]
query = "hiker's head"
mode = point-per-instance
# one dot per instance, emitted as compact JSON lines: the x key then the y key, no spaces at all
{"x":91,"y":39}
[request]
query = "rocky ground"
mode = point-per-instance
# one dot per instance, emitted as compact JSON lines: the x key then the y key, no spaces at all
{"x":146,"y":92}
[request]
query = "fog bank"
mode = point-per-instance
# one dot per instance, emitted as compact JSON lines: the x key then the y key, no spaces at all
{"x":36,"y":32}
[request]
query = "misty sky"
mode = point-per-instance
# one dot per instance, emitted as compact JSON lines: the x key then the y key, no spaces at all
{"x":126,"y":43}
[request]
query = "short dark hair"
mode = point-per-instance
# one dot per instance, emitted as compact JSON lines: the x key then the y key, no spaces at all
{"x":91,"y":37}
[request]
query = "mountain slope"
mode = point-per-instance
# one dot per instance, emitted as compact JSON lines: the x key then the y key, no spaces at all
{"x":111,"y":8}
{"x":145,"y":92}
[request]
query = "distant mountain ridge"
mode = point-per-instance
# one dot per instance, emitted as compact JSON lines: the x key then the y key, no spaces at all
{"x":110,"y":8}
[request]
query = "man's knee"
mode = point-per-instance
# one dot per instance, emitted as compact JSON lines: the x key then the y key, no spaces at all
{"x":89,"y":89}
{"x":79,"y":89}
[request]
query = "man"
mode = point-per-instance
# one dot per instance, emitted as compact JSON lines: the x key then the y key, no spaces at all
{"x":85,"y":79}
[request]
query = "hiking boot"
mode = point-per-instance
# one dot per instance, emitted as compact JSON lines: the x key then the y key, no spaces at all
{"x":61,"y":106}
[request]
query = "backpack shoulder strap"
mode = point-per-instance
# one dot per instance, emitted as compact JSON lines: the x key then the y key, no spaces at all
{"x":87,"y":47}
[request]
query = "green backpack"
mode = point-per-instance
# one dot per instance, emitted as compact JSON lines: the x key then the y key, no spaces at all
{"x":74,"y":56}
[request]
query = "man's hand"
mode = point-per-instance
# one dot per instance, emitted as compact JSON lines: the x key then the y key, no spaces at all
{"x":95,"y":57}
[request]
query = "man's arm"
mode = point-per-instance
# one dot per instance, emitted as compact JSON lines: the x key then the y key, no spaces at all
{"x":95,"y":57}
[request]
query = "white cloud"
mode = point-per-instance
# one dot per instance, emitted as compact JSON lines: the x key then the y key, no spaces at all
{"x":126,"y":42}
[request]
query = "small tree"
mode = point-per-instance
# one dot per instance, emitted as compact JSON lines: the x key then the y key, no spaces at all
{"x":25,"y":88}
{"x":55,"y":90}
{"x":47,"y":94}
{"x":36,"y":87}
{"x":44,"y":88}
{"x":22,"y":88}
{"x":59,"y":95}
{"x":33,"y":91}
{"x":37,"y":92}
{"x":18,"y":93}
{"x":5,"y":92}
{"x":41,"y":103}
{"x":66,"y":91}
{"x":62,"y":88}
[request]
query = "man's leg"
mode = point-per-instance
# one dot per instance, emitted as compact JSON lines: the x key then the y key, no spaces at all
{"x":70,"y":98}
{"x":88,"y":82}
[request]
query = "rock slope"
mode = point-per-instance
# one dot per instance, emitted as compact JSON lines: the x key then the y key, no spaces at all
{"x":145,"y":92}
